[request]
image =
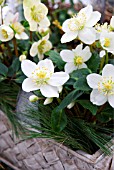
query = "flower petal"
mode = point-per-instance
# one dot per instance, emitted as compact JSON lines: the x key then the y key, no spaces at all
{"x":49,"y":91}
{"x":28,"y":67}
{"x":28,"y":85}
{"x":58,"y":79}
{"x":78,"y":50}
{"x":86,"y":54}
{"x":108,"y":71}
{"x":40,"y":56}
{"x":94,"y":18}
{"x":87,"y":11}
{"x":69,"y":36}
{"x":46,"y":64}
{"x":44,"y":23}
{"x":93,"y":80}
{"x":97,"y":98}
{"x":83,"y":65}
{"x":22,"y":36}
{"x":34,"y":49}
{"x":87,"y":35}
{"x":67,"y":55}
{"x":65,"y":27}
{"x":112,"y":22}
{"x":70,"y":67}
{"x":33,"y":25}
{"x":111,"y":100}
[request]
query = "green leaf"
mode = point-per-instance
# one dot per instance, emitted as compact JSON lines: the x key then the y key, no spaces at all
{"x":88,"y":105}
{"x":16,"y":64}
{"x":93,"y":62}
{"x":11,"y":71}
{"x":25,"y":24}
{"x":20,"y":79}
{"x":70,"y":82}
{"x":56,"y":58}
{"x":106,"y":115}
{"x":3,"y":69}
{"x":58,"y":120}
{"x":72,"y":96}
{"x":111,"y":61}
{"x":81,"y":84}
{"x":80,"y":73}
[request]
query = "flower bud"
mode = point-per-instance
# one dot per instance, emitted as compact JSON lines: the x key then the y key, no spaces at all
{"x":48,"y":101}
{"x":22,"y":57}
{"x":71,"y":105}
{"x":102,"y":53}
{"x":60,"y":88}
{"x":33,"y":98}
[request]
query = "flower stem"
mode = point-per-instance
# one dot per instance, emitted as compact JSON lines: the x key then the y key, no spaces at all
{"x":31,"y":36}
{"x":9,"y":50}
{"x":102,"y":63}
{"x":106,"y":60}
{"x":15,"y":47}
{"x":1,"y":16}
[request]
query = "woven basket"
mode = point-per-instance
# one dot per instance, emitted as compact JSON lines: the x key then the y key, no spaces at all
{"x":43,"y":154}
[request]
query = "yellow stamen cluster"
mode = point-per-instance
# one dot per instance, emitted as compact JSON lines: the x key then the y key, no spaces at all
{"x":107,"y":42}
{"x":37,"y":14}
{"x":44,"y":46}
{"x":78,"y":60}
{"x":41,"y":47}
{"x":4,"y":33}
{"x":106,"y":86}
{"x":41,"y":76}
{"x":77,"y":22}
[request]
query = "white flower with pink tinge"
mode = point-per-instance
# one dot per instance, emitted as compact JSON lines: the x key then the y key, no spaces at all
{"x":12,"y":21}
{"x":102,"y":85}
{"x":41,"y":77}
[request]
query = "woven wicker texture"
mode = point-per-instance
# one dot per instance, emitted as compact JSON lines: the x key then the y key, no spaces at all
{"x":42,"y":154}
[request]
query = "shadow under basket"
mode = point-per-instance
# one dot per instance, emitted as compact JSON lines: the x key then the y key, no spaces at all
{"x":44,"y":154}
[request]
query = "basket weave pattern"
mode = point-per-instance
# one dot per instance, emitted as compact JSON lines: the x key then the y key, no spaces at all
{"x":43,"y":154}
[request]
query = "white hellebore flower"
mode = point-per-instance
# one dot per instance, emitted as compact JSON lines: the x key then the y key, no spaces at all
{"x":36,"y":14}
{"x":42,"y":77}
{"x":41,"y":47}
{"x":6,"y":33}
{"x":81,"y":26}
{"x":107,"y":41}
{"x":75,"y":59}
{"x":103,"y":86}
{"x":12,"y":20}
